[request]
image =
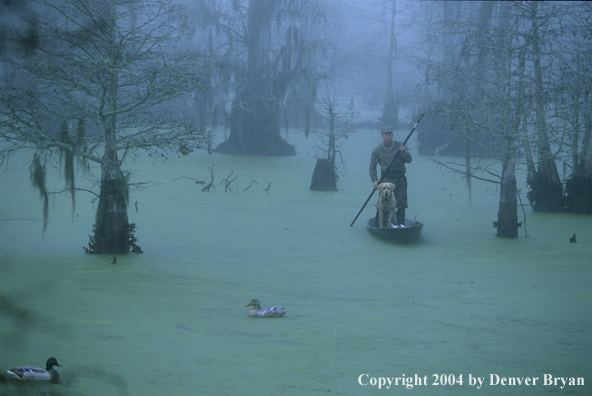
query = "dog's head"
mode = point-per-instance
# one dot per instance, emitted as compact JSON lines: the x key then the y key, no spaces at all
{"x":386,"y":189}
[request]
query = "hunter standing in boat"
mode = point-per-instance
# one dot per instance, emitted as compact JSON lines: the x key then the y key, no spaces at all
{"x":383,"y":155}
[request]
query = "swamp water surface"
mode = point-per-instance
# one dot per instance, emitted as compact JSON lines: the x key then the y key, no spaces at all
{"x":172,"y":320}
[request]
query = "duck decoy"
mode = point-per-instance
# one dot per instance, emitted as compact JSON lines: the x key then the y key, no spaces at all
{"x":32,"y":373}
{"x":258,"y":310}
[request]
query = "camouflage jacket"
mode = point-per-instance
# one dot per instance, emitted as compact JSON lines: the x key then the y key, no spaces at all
{"x":383,"y":156}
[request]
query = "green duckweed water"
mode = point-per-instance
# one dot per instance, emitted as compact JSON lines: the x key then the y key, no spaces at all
{"x":172,"y":321}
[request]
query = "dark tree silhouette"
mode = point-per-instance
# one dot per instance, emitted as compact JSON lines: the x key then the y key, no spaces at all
{"x":338,"y":123}
{"x":276,"y":57}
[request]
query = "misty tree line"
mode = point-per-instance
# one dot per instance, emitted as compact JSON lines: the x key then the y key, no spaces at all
{"x":512,"y":81}
{"x":103,"y":80}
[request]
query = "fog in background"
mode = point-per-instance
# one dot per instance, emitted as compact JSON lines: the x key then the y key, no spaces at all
{"x":346,"y":43}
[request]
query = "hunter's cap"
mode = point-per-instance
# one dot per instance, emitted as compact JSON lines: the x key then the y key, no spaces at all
{"x":386,"y":129}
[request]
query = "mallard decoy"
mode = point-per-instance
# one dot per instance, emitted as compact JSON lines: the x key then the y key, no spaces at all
{"x":257,"y":310}
{"x":31,"y":373}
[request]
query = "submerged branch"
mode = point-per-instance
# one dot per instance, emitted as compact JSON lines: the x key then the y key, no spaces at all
{"x":227,"y":182}
{"x":203,"y":183}
{"x":207,"y":188}
{"x":143,"y":185}
{"x":253,"y":182}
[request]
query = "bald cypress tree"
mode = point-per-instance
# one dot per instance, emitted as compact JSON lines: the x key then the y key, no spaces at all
{"x":274,"y":56}
{"x":110,"y":70}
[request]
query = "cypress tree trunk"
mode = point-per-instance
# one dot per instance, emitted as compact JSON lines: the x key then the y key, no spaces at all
{"x":111,"y":231}
{"x":579,"y":186}
{"x":324,"y":177}
{"x":254,"y":127}
{"x":507,"y":216}
{"x":546,"y":193}
{"x":579,"y":193}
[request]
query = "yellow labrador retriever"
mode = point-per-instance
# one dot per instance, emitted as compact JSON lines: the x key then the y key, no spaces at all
{"x":386,"y":204}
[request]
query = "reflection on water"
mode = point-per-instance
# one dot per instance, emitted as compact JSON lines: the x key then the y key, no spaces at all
{"x":172,"y":320}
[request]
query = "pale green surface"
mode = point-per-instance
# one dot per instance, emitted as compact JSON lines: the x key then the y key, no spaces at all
{"x":172,"y":320}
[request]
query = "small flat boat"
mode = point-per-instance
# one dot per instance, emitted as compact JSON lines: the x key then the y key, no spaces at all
{"x":408,"y":234}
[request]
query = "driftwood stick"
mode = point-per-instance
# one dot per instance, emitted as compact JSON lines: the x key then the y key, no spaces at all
{"x":227,"y":182}
{"x":227,"y":177}
{"x":203,"y":183}
{"x":207,"y":188}
{"x":253,"y":182}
